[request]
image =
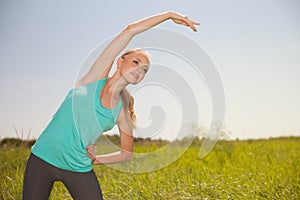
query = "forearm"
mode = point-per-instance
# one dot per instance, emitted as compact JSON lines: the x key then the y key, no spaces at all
{"x":146,"y":23}
{"x":116,"y":157}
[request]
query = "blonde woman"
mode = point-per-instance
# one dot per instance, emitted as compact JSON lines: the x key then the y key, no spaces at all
{"x":64,"y":151}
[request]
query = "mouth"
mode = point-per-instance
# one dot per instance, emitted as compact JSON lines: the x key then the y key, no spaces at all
{"x":135,"y":75}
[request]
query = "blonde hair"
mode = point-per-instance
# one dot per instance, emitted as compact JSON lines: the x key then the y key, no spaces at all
{"x":130,"y":51}
{"x":128,"y":102}
{"x":127,"y":98}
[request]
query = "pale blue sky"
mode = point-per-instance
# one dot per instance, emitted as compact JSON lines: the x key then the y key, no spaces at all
{"x":255,"y":46}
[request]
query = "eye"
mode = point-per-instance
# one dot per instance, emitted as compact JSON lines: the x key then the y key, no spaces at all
{"x":145,"y":69}
{"x":135,"y":62}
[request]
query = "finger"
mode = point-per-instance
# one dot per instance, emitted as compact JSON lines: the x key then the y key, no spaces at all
{"x":194,"y":28}
{"x":91,"y":148}
{"x":91,"y":152}
{"x":181,"y":22}
{"x":88,"y":150}
{"x":195,"y":23}
{"x":91,"y":156}
{"x":192,"y":25}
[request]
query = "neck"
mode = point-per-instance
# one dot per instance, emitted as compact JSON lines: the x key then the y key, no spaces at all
{"x":115,"y":84}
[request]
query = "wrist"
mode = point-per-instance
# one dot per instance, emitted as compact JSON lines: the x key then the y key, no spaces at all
{"x":94,"y":161}
{"x":97,"y":161}
{"x":170,"y":14}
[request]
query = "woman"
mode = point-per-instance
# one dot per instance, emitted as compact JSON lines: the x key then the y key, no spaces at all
{"x":64,"y":151}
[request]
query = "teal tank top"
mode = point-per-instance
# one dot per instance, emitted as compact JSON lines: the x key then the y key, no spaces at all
{"x":79,"y":121}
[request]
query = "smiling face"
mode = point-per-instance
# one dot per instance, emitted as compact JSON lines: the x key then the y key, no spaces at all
{"x":134,"y":66}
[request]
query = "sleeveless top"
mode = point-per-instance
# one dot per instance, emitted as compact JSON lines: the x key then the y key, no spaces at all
{"x":79,"y":121}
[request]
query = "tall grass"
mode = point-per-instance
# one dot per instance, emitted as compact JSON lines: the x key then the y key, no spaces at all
{"x":266,"y":169}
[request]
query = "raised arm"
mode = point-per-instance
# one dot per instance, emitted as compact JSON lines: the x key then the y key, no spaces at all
{"x":104,"y":62}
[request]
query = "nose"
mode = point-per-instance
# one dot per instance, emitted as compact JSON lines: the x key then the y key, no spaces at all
{"x":139,"y":70}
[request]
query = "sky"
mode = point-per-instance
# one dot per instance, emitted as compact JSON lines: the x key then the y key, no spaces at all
{"x":254,"y":46}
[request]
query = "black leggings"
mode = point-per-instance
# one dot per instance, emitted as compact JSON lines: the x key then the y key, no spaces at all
{"x":40,"y":176}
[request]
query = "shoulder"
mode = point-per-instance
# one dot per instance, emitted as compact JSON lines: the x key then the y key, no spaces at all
{"x":94,"y":74}
{"x":82,"y":82}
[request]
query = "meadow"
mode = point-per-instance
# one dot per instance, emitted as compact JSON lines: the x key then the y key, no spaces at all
{"x":252,"y":169}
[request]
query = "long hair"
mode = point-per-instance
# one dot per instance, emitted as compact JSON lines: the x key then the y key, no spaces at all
{"x":127,"y":98}
{"x":128,"y":102}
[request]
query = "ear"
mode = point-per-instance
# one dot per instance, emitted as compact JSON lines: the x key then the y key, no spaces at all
{"x":119,"y":61}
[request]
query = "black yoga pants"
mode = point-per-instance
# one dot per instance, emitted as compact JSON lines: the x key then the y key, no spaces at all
{"x":40,"y":176}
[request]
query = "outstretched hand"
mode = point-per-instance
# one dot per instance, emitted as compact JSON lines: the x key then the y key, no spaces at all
{"x":184,"y":20}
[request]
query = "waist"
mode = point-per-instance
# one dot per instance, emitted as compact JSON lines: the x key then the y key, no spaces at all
{"x":63,"y":155}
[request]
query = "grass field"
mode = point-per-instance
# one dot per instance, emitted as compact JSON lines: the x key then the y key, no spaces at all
{"x":258,"y":169}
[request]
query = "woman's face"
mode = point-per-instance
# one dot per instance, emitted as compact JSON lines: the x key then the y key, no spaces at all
{"x":133,"y":67}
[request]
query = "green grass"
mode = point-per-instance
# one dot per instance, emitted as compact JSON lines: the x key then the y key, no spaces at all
{"x":262,"y":169}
